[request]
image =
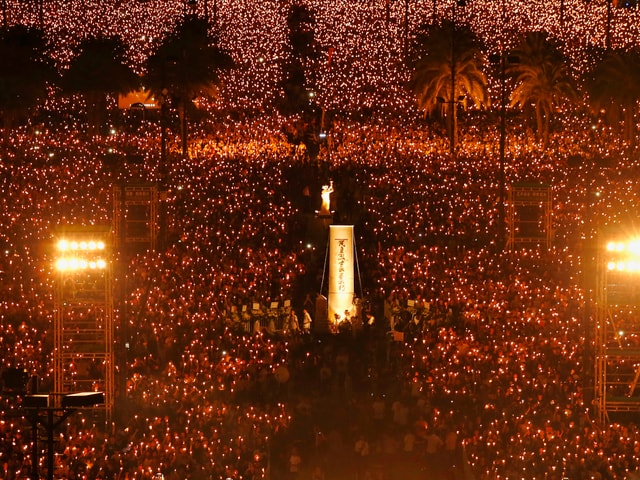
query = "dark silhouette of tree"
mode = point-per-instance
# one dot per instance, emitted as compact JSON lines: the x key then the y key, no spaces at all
{"x":99,"y":70}
{"x":542,"y":79}
{"x":301,"y":50}
{"x":26,"y":72}
{"x":613,"y":85}
{"x":300,"y":23}
{"x":446,"y":64}
{"x":186,"y":64}
{"x":625,"y":3}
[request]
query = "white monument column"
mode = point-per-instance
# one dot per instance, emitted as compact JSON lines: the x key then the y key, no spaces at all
{"x":341,"y":274}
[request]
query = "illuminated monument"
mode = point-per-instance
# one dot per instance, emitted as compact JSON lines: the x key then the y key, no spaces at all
{"x":341,"y":299}
{"x":325,"y":207}
{"x":83,"y":313}
{"x":617,"y":328}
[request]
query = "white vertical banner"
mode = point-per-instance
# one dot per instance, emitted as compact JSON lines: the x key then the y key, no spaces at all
{"x":341,"y":274}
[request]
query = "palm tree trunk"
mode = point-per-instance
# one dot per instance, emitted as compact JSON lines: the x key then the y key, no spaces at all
{"x":607,"y":36}
{"x":452,"y":100}
{"x":96,"y":106}
{"x":182,"y":112}
{"x":539,"y":122}
{"x":454,"y":122}
{"x":629,"y":127}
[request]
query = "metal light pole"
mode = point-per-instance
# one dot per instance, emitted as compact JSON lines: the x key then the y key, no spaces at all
{"x":406,"y":27}
{"x":35,"y":456}
{"x":452,"y":99}
{"x":503,"y":138}
{"x":503,"y":135}
{"x":50,"y":411}
{"x":504,"y":59}
{"x":162,"y":170}
{"x":607,"y":37}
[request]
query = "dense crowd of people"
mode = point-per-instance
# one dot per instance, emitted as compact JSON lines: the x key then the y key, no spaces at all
{"x":470,"y":360}
{"x":489,"y":375}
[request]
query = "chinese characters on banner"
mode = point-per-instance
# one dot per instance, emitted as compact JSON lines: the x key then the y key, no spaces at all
{"x":341,"y":273}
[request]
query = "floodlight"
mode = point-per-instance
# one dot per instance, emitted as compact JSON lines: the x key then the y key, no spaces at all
{"x":624,"y":256}
{"x":82,"y":399}
{"x":78,"y":251}
{"x":634,"y":247}
{"x":615,"y":247}
{"x":75,"y":264}
{"x":65,"y":245}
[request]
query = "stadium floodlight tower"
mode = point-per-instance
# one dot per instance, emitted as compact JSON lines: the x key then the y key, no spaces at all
{"x":617,"y":327}
{"x":83,"y":313}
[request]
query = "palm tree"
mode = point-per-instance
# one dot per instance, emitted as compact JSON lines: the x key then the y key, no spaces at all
{"x":613,"y":85}
{"x":186,"y":64}
{"x":542,"y":79}
{"x":99,"y":70}
{"x":27,"y":72}
{"x":447,"y":66}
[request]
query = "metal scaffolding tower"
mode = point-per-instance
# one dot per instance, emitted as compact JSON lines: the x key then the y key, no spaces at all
{"x":529,"y":215}
{"x":83,"y":314}
{"x":135,"y":215}
{"x":617,"y":330}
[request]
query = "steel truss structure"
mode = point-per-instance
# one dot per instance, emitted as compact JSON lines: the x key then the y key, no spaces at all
{"x":617,"y":336}
{"x":529,"y":215}
{"x":135,"y":215}
{"x":83,"y":314}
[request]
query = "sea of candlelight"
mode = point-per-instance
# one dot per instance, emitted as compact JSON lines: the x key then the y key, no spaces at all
{"x":496,"y":356}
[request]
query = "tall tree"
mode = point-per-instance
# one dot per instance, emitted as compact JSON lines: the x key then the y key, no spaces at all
{"x":186,"y":64}
{"x":542,"y":79}
{"x":447,"y":62}
{"x":613,"y":85}
{"x":27,"y":71}
{"x":301,"y":50}
{"x":99,"y":70}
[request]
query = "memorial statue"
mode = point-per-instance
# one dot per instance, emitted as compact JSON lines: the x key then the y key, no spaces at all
{"x":325,"y":208}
